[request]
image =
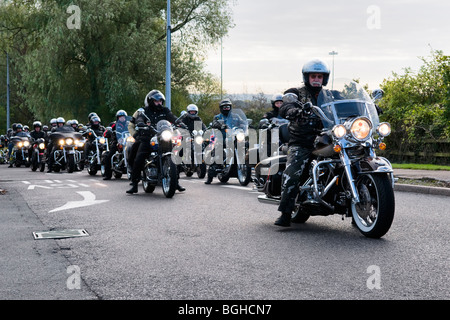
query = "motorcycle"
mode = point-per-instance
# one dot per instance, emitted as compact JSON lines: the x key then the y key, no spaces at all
{"x":232,"y":161}
{"x":93,"y":157}
{"x":19,"y":154}
{"x":66,"y":146}
{"x":195,"y":163}
{"x":38,"y":150}
{"x":119,"y":163}
{"x":3,"y":149}
{"x":346,"y":176}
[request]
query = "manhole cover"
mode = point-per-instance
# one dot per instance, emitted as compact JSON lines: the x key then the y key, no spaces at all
{"x":58,"y":234}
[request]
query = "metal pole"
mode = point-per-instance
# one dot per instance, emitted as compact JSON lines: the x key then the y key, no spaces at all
{"x":221,"y":68}
{"x":7,"y":90}
{"x":333,"y":53}
{"x":168,"y":57}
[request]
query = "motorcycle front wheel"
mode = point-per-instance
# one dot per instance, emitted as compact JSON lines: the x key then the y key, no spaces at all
{"x":169,"y":177}
{"x":34,"y":162}
{"x":374,"y":214}
{"x":201,"y":171}
{"x":244,"y":173}
{"x":70,"y":163}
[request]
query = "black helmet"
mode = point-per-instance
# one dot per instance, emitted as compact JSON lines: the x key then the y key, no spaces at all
{"x":154,"y":95}
{"x":225,"y":106}
{"x":316,"y":66}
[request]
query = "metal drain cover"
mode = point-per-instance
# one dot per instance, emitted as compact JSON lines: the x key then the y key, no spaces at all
{"x":59,"y":234}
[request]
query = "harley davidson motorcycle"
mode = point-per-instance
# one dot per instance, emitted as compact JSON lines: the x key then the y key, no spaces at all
{"x":119,"y":163}
{"x":19,"y":154}
{"x":230,"y":157}
{"x":159,"y":167}
{"x":66,"y":146}
{"x":38,"y":151}
{"x":195,"y":145}
{"x":93,"y":157}
{"x":346,"y":176}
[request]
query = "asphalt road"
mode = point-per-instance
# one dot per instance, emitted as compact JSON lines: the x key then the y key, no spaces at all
{"x":212,"y":242}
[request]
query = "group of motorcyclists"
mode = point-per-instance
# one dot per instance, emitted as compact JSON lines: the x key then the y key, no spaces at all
{"x":303,"y":128}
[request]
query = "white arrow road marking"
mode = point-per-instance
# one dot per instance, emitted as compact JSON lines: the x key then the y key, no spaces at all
{"x":89,"y":200}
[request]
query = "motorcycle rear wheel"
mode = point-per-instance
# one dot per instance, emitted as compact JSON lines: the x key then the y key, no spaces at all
{"x":374,"y":214}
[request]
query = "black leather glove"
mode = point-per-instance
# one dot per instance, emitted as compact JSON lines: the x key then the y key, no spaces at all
{"x":293,"y":113}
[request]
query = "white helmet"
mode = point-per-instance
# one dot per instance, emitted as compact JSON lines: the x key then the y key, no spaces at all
{"x":192,"y":110}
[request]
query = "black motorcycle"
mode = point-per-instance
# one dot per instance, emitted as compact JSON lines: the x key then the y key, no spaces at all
{"x":20,"y":151}
{"x":66,"y":147}
{"x":228,"y":156}
{"x":38,"y":151}
{"x":194,"y":146}
{"x":346,"y":176}
{"x":119,"y":163}
{"x":99,"y":144}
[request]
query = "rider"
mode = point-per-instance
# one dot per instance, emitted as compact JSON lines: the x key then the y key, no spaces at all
{"x":276,"y":101}
{"x":60,"y":127}
{"x":225,"y":119}
{"x":155,"y":111}
{"x":120,"y":125}
{"x":18,"y":133}
{"x":37,"y":133}
{"x":303,"y":129}
{"x":96,"y":126}
{"x":192,"y":117}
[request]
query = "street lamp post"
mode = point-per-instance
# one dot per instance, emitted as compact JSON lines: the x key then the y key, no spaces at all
{"x":7,"y":90}
{"x":221,"y":68}
{"x":333,"y":53}
{"x":168,"y":57}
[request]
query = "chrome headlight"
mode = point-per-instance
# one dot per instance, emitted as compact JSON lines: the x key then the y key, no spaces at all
{"x":20,"y":144}
{"x":198,"y":139}
{"x":166,"y":135}
{"x":131,"y":139}
{"x":61,"y":142}
{"x":384,"y":129}
{"x":42,"y":146}
{"x":79,"y":143}
{"x":26,"y":143}
{"x":102,"y":140}
{"x":361,"y":129}
{"x":339,"y":131}
{"x":69,"y":141}
{"x":240,"y":136}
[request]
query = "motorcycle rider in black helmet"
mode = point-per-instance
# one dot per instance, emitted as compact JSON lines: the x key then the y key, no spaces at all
{"x":303,"y":129}
{"x":96,"y":126}
{"x":155,"y":111}
{"x":230,"y":120}
{"x":119,"y":125}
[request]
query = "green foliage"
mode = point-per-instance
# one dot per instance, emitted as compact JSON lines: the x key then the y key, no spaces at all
{"x":417,"y":104}
{"x":113,"y":60}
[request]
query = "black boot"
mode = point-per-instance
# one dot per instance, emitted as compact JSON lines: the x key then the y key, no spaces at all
{"x":134,"y":188}
{"x":180,"y":188}
{"x":284,"y":220}
{"x":209,"y":180}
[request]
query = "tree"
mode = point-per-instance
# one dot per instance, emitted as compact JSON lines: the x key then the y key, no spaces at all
{"x":114,"y":58}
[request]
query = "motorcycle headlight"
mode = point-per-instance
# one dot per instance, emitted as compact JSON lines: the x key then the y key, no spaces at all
{"x":166,"y":135}
{"x":240,"y":136}
{"x":20,"y":144}
{"x":79,"y":143}
{"x":384,"y":129}
{"x":131,"y":139}
{"x":69,"y":141}
{"x":42,"y":146}
{"x":102,"y":140}
{"x":361,"y":129}
{"x":61,"y":142}
{"x":339,"y":131}
{"x":26,"y":143}
{"x":198,"y":139}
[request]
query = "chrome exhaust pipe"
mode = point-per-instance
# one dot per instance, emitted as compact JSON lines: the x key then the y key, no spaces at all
{"x":266,"y":199}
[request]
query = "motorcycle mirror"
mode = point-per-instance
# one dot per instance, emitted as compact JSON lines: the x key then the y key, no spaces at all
{"x":377,"y":94}
{"x":249,"y":121}
{"x":141,"y":110}
{"x":264,"y":121}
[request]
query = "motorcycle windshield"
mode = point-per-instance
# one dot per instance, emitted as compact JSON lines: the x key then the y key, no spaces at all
{"x":347,"y":99}
{"x":237,"y":119}
{"x":121,"y":129}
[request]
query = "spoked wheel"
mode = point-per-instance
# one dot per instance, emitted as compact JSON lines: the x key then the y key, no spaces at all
{"x":244,"y":173}
{"x":374,"y":214}
{"x":224,"y":176}
{"x":148,"y":188}
{"x":169,"y":177}
{"x":70,"y":163}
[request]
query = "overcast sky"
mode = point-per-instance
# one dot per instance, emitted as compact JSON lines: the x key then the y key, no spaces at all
{"x":272,"y":40}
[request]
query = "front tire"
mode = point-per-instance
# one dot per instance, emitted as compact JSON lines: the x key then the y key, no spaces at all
{"x":374,"y":214}
{"x":169,"y":177}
